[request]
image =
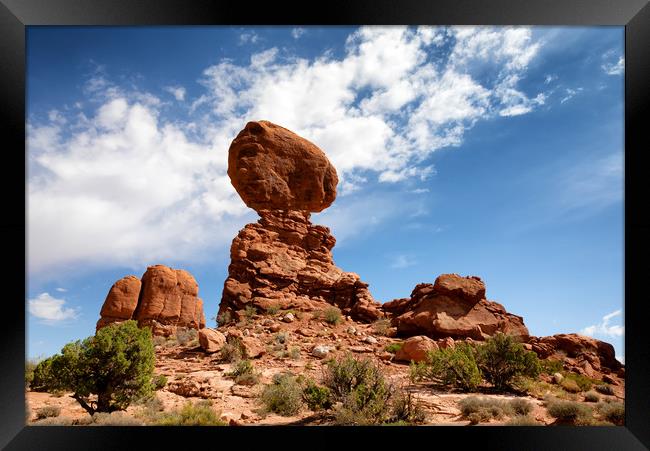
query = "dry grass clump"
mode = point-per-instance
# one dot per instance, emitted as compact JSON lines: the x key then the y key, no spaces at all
{"x":479,"y":409}
{"x":569,"y":412}
{"x":614,"y":412}
{"x":199,"y":414}
{"x":48,"y":412}
{"x":244,"y":373}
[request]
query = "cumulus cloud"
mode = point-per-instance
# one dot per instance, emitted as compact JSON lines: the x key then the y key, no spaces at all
{"x":605,"y":328}
{"x":50,"y":309}
{"x":615,"y":67}
{"x":125,"y":184}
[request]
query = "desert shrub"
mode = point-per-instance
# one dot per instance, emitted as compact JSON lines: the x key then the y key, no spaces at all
{"x":48,"y":412}
{"x":523,"y":420}
{"x":294,"y":353}
{"x":244,"y":373}
{"x":344,"y":375}
{"x":604,"y":389}
{"x":418,"y":371}
{"x":613,"y":412}
{"x":233,"y":350}
{"x":454,"y":366}
{"x":521,"y":406}
{"x":501,"y":358}
{"x":159,"y":340}
{"x":538,"y":388}
{"x":114,"y":419}
{"x":479,"y":409}
{"x":381,"y":326}
{"x":570,"y":385}
{"x":316,"y":397}
{"x":393,"y":347}
{"x":116,"y":364}
{"x":159,"y":381}
{"x":186,"y":335}
{"x":281,"y":337}
{"x":273,"y":309}
{"x":332,"y":315}
{"x":405,"y":409}
{"x":551,"y":366}
{"x":54,"y":421}
{"x":569,"y":411}
{"x":224,"y":318}
{"x":283,"y":396}
{"x":199,"y":414}
{"x":250,"y":312}
{"x":592,"y":396}
{"x":584,"y":383}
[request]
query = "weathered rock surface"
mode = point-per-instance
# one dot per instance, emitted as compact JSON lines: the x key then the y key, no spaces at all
{"x":272,"y":168}
{"x":163,"y":299}
{"x":578,"y":353}
{"x":455,"y":307}
{"x":211,"y":340}
{"x":416,"y":349}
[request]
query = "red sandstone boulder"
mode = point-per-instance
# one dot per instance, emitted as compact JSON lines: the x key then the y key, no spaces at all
{"x":272,"y":168}
{"x":211,"y":340}
{"x":453,"y":307}
{"x":416,"y":349}
{"x":163,"y":299}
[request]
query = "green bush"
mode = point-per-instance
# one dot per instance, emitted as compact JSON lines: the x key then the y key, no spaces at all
{"x":283,"y":396}
{"x":332,"y":315}
{"x":116,"y":364}
{"x":418,"y":371}
{"x":114,"y":419}
{"x":584,"y":383}
{"x":570,"y":385}
{"x":48,"y":412}
{"x":244,"y":373}
{"x":273,"y":309}
{"x":501,"y":358}
{"x":393,"y":347}
{"x":570,"y":411}
{"x":316,"y":397}
{"x":523,"y":420}
{"x":592,"y":396}
{"x":250,"y":312}
{"x":233,"y":350}
{"x":159,"y":381}
{"x":604,"y":389}
{"x":224,"y":318}
{"x":405,"y":409}
{"x":551,"y":366}
{"x":521,"y":406}
{"x":30,"y":366}
{"x":454,"y":366}
{"x":613,"y":412}
{"x":199,"y":414}
{"x":480,"y":409}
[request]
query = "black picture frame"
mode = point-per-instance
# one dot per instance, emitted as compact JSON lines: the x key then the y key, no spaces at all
{"x":15,"y":15}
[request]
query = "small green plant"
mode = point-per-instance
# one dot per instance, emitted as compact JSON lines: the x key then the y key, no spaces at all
{"x":418,"y":371}
{"x":406,"y":409}
{"x":570,"y":385}
{"x":55,"y":421}
{"x":283,"y":396}
{"x":294,"y":353}
{"x":613,"y":412}
{"x":249,"y":313}
{"x":584,"y":383}
{"x":551,"y":366}
{"x":393,"y":347}
{"x":159,"y":381}
{"x":523,"y":420}
{"x":281,"y":337}
{"x":114,"y":419}
{"x":199,"y":414}
{"x":502,"y":358}
{"x":381,"y":326}
{"x":604,"y":389}
{"x":454,"y":366}
{"x":521,"y":406}
{"x":316,"y":397}
{"x":244,"y":373}
{"x":233,"y":350}
{"x":48,"y":412}
{"x":332,"y":315}
{"x":273,"y":309}
{"x":570,"y":412}
{"x":592,"y":396}
{"x":224,"y":318}
{"x":479,"y":409}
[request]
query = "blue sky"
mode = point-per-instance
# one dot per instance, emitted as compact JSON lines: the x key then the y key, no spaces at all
{"x":495,"y":152}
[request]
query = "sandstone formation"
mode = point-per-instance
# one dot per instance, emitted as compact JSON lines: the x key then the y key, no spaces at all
{"x":163,"y":299}
{"x":455,"y":307}
{"x":211,"y":340}
{"x":272,"y":168}
{"x":583,"y":355}
{"x":416,"y":349}
{"x":283,"y":260}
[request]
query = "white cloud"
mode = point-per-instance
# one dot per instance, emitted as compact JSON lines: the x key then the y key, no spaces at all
{"x":613,"y":68}
{"x":550,"y":78}
{"x":571,"y":93}
{"x":248,"y":37}
{"x":126,"y":185}
{"x":61,"y":290}
{"x":51,"y":310}
{"x":604,"y":327}
{"x":402,"y":261}
{"x":297,"y":32}
{"x":177,"y":91}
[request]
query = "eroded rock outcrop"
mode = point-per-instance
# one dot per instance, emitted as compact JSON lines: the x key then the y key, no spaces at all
{"x":284,"y":260}
{"x":453,"y":306}
{"x":164,"y":299}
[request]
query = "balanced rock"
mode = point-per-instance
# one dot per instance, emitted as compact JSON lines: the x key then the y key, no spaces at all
{"x":164,"y":299}
{"x":416,"y":349}
{"x":455,"y":307}
{"x":272,"y":168}
{"x":284,"y":261}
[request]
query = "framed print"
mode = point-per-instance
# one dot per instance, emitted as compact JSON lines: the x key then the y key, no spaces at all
{"x":367,"y":215}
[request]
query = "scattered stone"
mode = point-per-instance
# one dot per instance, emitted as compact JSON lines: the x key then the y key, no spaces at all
{"x":288,"y":318}
{"x":275,"y":328}
{"x":211,"y":340}
{"x":558,"y":378}
{"x":351,"y":330}
{"x":370,"y":339}
{"x":321,"y":351}
{"x":416,"y":349}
